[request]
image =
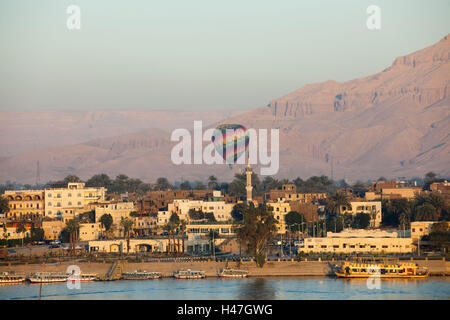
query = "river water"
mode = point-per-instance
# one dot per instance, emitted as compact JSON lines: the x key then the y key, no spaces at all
{"x":297,"y":288}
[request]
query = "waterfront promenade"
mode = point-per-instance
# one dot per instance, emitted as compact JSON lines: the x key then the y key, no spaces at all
{"x":272,"y":268}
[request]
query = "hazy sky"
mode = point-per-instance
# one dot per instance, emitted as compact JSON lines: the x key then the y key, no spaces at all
{"x":198,"y":54}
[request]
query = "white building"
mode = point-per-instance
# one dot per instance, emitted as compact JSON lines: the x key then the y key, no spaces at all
{"x":216,"y":205}
{"x":358,"y":241}
{"x":73,"y":198}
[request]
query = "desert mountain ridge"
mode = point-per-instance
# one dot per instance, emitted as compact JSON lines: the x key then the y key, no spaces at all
{"x":394,"y":123}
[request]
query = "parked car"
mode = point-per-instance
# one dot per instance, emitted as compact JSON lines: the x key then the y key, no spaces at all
{"x":54,"y":246}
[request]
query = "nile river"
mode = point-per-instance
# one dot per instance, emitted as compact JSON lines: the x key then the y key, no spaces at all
{"x":237,"y":289}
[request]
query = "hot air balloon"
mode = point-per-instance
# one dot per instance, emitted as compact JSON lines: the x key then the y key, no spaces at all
{"x":230,"y":140}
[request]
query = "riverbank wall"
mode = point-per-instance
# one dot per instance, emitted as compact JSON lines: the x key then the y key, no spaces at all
{"x":271,"y":268}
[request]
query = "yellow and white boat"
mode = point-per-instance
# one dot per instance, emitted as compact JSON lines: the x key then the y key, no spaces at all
{"x":365,"y":270}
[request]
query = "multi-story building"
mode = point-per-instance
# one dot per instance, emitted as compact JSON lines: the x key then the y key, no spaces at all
{"x":25,"y":204}
{"x":75,"y":197}
{"x":304,"y":197}
{"x":358,"y":241}
{"x":155,"y":201}
{"x":373,"y":208}
{"x":144,"y":225}
{"x":420,"y":229}
{"x":52,"y":229}
{"x":215,"y":205}
{"x":275,"y":194}
{"x":8,"y":231}
{"x":117,"y":210}
{"x":441,"y":187}
{"x":280,"y":209}
{"x":90,"y":231}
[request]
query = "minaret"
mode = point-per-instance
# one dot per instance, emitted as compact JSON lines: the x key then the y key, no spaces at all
{"x":249,"y":186}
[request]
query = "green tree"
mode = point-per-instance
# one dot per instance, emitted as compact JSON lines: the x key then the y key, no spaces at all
{"x":336,"y":201}
{"x":107,"y":221}
{"x":37,"y":234}
{"x":294,"y":220}
{"x":212,"y":236}
{"x":72,"y":228}
{"x":210,"y":216}
{"x":21,"y":228}
{"x":212,"y":183}
{"x":127,"y":225}
{"x":185,"y":185}
{"x":196,"y":215}
{"x":426,"y":212}
{"x":5,"y":232}
{"x":4,"y":205}
{"x":172,"y":226}
{"x":162,"y":184}
{"x":99,"y":180}
{"x":361,"y":220}
{"x":256,"y":231}
{"x":238,"y":211}
{"x":63,"y":183}
{"x":199,"y":186}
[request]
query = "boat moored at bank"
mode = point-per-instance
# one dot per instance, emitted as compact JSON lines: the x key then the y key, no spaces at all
{"x":141,"y":275}
{"x":189,"y":274}
{"x":365,"y":270}
{"x":48,"y":277}
{"x":232,"y":273}
{"x":8,"y":277}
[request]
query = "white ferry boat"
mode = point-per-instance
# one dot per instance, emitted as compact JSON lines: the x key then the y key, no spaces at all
{"x":84,"y":277}
{"x":189,"y":274}
{"x":48,"y":277}
{"x":232,"y":273}
{"x":7,"y":277}
{"x":141,"y":275}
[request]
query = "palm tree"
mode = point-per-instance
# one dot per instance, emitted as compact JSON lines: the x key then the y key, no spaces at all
{"x":21,"y":228}
{"x":212,"y":239}
{"x":168,"y":228}
{"x":183,"y":228}
{"x":438,"y":202}
{"x":127,"y":225}
{"x":212,"y":182}
{"x":5,"y":233}
{"x":72,"y":227}
{"x":336,"y":201}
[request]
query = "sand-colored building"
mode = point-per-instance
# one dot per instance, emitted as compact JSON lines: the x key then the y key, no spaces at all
{"x":117,"y":210}
{"x":90,"y":231}
{"x":8,"y":231}
{"x":75,"y":197}
{"x":25,"y":204}
{"x":358,"y":241}
{"x":148,"y":245}
{"x":420,"y":229}
{"x":280,"y":209}
{"x":373,"y":208}
{"x":52,"y":229}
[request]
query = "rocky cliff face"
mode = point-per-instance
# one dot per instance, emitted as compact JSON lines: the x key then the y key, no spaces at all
{"x":394,"y":123}
{"x":420,"y":78}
